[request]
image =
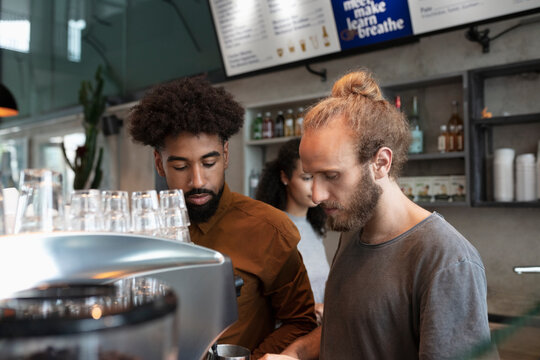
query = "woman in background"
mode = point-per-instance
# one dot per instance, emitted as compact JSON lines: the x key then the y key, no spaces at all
{"x":285,"y":186}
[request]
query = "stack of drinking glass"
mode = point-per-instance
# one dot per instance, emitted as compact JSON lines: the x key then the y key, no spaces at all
{"x":40,"y":208}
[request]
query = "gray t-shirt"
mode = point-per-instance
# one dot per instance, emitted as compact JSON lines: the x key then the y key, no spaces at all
{"x":312,"y":249}
{"x":421,"y":295}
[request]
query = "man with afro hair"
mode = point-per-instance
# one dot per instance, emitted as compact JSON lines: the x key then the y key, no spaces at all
{"x":188,"y":123}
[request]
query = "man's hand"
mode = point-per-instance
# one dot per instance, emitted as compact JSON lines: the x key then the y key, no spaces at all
{"x":319,"y":311}
{"x":303,"y":348}
{"x":277,"y":357}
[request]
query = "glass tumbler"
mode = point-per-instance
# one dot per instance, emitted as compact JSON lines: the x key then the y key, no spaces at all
{"x":115,"y":211}
{"x":3,"y":229}
{"x":40,"y":206}
{"x":145,"y":213}
{"x":85,"y":210}
{"x":174,"y":216}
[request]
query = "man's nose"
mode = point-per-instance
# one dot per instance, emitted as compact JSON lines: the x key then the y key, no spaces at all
{"x":318,"y":192}
{"x":197,"y":177}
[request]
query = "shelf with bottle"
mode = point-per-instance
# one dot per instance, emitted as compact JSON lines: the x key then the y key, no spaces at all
{"x":261,"y":146}
{"x":431,"y":106}
{"x":504,"y":115}
{"x":434,"y":97}
{"x":427,"y":104}
{"x":268,"y":126}
{"x":271,"y":141}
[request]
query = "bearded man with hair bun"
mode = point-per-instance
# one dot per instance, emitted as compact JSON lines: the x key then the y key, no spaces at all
{"x":404,"y":284}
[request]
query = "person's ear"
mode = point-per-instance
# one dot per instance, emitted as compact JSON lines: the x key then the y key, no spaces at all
{"x":381,"y":162}
{"x":283,"y":177}
{"x":226,"y":154}
{"x":158,"y":163}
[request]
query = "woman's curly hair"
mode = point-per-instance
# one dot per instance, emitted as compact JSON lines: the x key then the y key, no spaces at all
{"x":272,"y":191}
{"x":185,"y":105}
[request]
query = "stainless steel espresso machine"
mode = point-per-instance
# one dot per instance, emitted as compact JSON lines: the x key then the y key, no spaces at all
{"x":71,"y":295}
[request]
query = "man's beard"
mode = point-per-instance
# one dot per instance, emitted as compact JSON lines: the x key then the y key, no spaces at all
{"x":361,"y":208}
{"x":202,"y":213}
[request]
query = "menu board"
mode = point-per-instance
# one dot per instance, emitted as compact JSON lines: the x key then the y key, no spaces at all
{"x":260,"y":34}
{"x":432,"y":15}
{"x":256,"y":34}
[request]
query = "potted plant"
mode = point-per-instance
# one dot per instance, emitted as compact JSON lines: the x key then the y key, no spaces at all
{"x":93,"y":103}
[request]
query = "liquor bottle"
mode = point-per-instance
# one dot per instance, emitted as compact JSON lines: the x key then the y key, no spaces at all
{"x":459,"y":138}
{"x":289,"y":123}
{"x":325,"y":36}
{"x":268,"y":126}
{"x":257,"y":127}
{"x":299,"y":122}
{"x":253,"y":183}
{"x":456,"y":141}
{"x":443,"y":139}
{"x":7,"y":174}
{"x":417,"y":136}
{"x":279,"y":124}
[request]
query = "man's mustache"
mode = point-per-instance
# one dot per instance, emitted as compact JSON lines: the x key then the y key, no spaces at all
{"x":331,"y":205}
{"x":200,"y":191}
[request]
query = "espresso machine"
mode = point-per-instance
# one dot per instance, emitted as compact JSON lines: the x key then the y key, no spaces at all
{"x":102,"y":295}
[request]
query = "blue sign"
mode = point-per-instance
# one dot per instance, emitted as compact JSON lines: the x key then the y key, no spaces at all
{"x":364,"y":22}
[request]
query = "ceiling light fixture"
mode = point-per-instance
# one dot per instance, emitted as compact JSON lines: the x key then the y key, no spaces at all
{"x":8,"y":105}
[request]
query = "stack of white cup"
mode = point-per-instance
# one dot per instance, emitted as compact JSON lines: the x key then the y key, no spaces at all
{"x":525,"y":177}
{"x":538,"y":171}
{"x":503,"y":174}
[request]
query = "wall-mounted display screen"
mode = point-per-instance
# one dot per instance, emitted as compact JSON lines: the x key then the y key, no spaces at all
{"x":260,"y":34}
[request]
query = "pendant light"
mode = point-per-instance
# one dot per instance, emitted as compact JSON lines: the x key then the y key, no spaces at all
{"x":8,"y":106}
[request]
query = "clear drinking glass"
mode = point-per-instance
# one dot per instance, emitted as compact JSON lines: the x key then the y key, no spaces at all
{"x":115,"y":211}
{"x":85,"y":210}
{"x":40,"y":206}
{"x":3,"y":229}
{"x":174,"y":216}
{"x":145,"y":213}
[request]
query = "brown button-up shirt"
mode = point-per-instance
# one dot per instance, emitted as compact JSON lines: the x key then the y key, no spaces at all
{"x":261,"y":242}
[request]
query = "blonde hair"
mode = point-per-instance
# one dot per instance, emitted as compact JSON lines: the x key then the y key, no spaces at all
{"x":375,"y":123}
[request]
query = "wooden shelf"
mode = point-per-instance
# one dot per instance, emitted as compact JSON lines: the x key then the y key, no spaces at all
{"x":509,"y":204}
{"x":437,"y":156}
{"x":442,"y":204}
{"x":271,"y":141}
{"x":509,"y":120}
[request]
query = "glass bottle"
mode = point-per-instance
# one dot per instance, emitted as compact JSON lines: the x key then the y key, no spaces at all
{"x":417,"y":136}
{"x":289,"y":123}
{"x":443,"y":139}
{"x":299,"y":122}
{"x":253,"y":183}
{"x":268,"y":126}
{"x":257,"y":127}
{"x":397,"y":102}
{"x":453,"y":123}
{"x":7,"y":174}
{"x":459,"y":138}
{"x":279,"y":124}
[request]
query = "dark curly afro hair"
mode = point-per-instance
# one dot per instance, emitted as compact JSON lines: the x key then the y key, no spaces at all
{"x":184,"y":105}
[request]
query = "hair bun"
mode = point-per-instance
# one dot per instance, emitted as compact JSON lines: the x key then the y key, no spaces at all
{"x":357,"y":83}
